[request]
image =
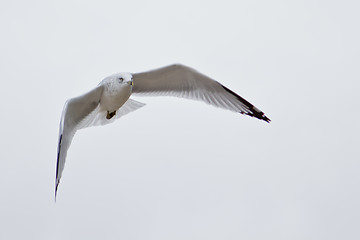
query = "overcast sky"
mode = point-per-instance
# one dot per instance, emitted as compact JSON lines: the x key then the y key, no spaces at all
{"x":179,"y":169}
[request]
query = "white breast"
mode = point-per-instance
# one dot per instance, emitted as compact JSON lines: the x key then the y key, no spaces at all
{"x":114,"y":96}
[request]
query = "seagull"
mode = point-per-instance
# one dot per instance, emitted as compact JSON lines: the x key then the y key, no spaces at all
{"x":111,"y":99}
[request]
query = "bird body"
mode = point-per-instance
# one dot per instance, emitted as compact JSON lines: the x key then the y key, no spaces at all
{"x":111,"y":99}
{"x":117,"y":90}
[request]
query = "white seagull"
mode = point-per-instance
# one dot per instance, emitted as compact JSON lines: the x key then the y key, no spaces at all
{"x":111,"y":100}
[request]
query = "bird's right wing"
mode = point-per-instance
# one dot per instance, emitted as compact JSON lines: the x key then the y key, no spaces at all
{"x":75,"y":112}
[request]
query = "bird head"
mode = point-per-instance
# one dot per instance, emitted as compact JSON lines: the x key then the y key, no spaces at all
{"x":124,"y":78}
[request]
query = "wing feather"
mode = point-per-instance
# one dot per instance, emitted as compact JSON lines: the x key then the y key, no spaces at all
{"x":75,"y":111}
{"x":83,"y":112}
{"x":182,"y":81}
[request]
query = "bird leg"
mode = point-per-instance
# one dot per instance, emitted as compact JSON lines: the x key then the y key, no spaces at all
{"x":110,"y":114}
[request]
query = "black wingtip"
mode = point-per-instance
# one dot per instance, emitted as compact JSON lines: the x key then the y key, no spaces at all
{"x":56,"y":188}
{"x":261,"y":116}
{"x":254,"y":111}
{"x":266,"y":119}
{"x":57,"y":181}
{"x":258,"y":115}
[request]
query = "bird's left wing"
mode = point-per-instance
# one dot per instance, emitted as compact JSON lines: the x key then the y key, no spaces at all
{"x":75,"y":112}
{"x":182,"y":81}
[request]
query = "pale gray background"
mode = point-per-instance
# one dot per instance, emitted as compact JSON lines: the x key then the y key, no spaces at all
{"x":179,"y":169}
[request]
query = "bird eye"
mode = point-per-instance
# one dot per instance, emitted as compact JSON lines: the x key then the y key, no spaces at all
{"x":121,"y":79}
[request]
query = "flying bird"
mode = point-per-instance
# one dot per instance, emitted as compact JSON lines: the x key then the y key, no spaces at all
{"x":111,"y":99}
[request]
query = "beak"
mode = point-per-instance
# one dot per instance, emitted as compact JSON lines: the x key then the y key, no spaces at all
{"x":131,"y":83}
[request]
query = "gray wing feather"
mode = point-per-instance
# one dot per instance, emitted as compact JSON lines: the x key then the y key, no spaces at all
{"x":82,"y":112}
{"x":182,"y":81}
{"x":75,"y":111}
